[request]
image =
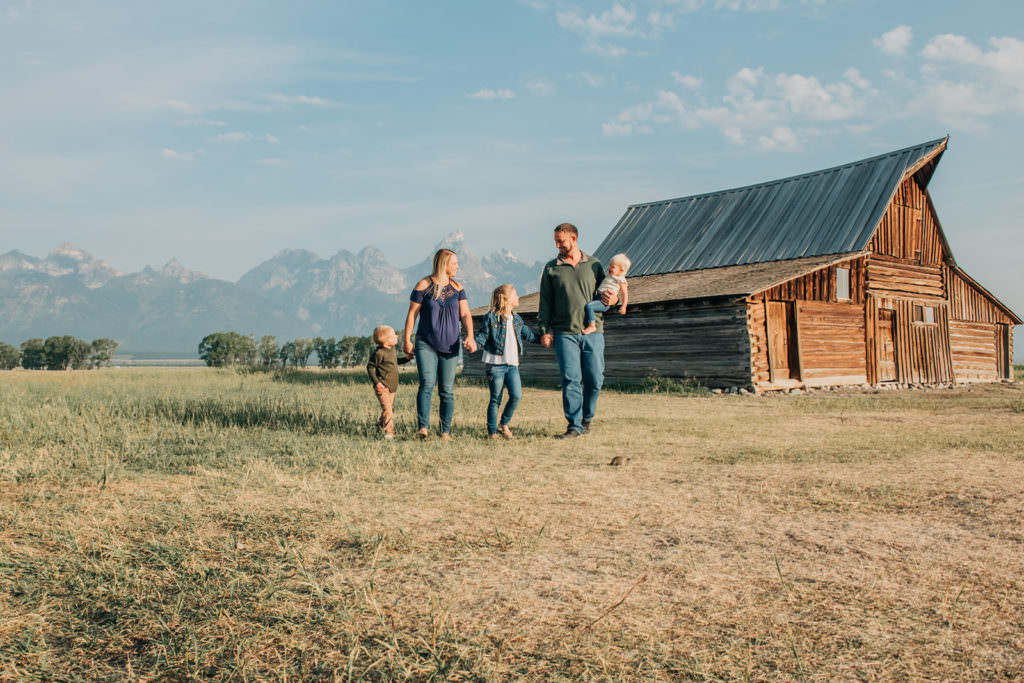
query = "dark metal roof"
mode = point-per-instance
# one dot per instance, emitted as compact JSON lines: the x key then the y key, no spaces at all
{"x":711,"y":283}
{"x":833,"y":211}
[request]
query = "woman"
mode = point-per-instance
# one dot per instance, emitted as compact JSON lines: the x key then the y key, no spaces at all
{"x":440,"y":302}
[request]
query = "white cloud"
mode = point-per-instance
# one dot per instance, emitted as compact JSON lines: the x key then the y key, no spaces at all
{"x":963,"y":84}
{"x":176,"y":155}
{"x":748,"y":5}
{"x":757,"y":107}
{"x":541,"y":88}
{"x":280,"y":98}
{"x":280,"y":163}
{"x":271,"y":139}
{"x":896,"y":41}
{"x":491,"y":94}
{"x":854,"y":76}
{"x":233,"y":137}
{"x":686,"y":80}
{"x":198,"y":123}
{"x":617,"y":22}
{"x":781,"y":139}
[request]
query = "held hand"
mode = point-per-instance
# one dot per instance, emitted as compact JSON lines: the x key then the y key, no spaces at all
{"x":470,"y":345}
{"x":622,"y":310}
{"x":546,"y":340}
{"x":608,"y":299}
{"x":407,"y":347}
{"x":380,"y":387}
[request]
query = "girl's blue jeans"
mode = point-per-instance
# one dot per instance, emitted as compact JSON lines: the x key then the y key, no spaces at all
{"x":500,"y":378}
{"x":438,"y":369}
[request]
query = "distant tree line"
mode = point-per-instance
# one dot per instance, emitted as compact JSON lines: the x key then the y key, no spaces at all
{"x":58,"y":353}
{"x":222,"y":349}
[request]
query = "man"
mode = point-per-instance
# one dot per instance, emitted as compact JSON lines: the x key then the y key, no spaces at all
{"x":566,"y":286}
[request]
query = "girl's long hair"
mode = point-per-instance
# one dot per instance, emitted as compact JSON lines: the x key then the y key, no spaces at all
{"x":439,"y":278}
{"x":501,"y":299}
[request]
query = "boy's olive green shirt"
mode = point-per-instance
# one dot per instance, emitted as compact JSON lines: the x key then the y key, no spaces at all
{"x":564,"y":291}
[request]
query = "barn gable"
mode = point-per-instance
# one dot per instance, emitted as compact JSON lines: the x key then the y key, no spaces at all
{"x":832,"y":211}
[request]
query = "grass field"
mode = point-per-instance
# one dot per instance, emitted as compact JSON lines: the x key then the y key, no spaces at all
{"x":174,"y":524}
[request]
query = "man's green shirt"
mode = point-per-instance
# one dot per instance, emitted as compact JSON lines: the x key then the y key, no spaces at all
{"x":564,"y":291}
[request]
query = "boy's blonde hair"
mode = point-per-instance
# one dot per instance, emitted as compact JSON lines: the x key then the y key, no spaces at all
{"x":622,"y":260}
{"x":501,"y":299}
{"x":380,"y":332}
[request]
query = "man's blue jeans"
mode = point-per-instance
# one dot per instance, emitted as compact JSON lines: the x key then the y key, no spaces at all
{"x":581,"y":362}
{"x":435,"y":369}
{"x":499,"y":378}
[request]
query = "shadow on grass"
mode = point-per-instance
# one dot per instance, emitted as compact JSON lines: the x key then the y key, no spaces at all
{"x":262,"y":413}
{"x":347,"y":377}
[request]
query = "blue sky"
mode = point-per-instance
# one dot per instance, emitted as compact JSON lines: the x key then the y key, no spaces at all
{"x":222,"y":132}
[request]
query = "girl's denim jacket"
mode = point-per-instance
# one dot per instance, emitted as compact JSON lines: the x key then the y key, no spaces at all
{"x":491,"y":336}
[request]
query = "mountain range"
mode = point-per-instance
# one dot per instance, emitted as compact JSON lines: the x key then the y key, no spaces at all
{"x":294,"y":294}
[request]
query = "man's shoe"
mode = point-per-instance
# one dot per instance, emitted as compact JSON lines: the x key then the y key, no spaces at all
{"x":570,"y":433}
{"x":586,"y":426}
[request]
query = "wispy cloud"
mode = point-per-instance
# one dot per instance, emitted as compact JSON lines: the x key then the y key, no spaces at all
{"x":617,"y":22}
{"x":492,"y":94}
{"x":757,"y":108}
{"x":896,"y":41}
{"x":200,"y":123}
{"x":687,"y":81}
{"x":541,"y":88}
{"x":176,"y":155}
{"x":234,"y":137}
{"x":593,"y":80}
{"x":310,"y":100}
{"x":271,"y":139}
{"x":273,"y":161}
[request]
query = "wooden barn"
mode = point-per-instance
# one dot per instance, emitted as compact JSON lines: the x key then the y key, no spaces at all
{"x":838,"y":277}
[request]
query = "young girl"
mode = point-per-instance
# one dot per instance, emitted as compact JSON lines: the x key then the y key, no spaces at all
{"x":501,"y":337}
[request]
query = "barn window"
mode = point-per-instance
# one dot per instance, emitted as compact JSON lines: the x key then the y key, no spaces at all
{"x":924,"y":314}
{"x":842,"y":284}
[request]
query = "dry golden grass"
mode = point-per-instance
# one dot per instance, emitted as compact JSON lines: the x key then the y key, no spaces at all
{"x":204,"y":524}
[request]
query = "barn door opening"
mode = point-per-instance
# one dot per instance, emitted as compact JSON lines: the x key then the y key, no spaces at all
{"x":783,"y":356}
{"x":886,"y":346}
{"x":1005,"y":367}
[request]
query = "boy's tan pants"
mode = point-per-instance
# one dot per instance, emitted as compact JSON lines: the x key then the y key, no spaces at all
{"x":386,"y":423}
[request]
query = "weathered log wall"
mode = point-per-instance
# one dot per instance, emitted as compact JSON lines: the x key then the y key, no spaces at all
{"x":889,"y":277}
{"x":706,"y":341}
{"x":821,"y":285}
{"x":909,"y":230}
{"x":974,"y":348}
{"x":967,"y":302}
{"x":831,"y":343}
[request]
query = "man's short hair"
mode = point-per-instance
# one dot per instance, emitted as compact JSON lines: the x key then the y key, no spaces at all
{"x":567,"y":227}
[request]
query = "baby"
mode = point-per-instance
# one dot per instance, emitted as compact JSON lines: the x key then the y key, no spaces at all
{"x":383,"y":371}
{"x":614,"y":283}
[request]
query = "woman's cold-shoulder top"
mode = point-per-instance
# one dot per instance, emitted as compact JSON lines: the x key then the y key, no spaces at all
{"x":439,"y":318}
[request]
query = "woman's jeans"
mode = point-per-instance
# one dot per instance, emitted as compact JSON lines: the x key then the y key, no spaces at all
{"x":499,"y":378}
{"x":435,"y":368}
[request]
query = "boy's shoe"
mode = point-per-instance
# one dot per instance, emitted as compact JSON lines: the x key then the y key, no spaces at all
{"x":421,"y":435}
{"x":505,"y":431}
{"x":446,"y":437}
{"x":586,"y":426}
{"x":494,"y":436}
{"x":570,"y":433}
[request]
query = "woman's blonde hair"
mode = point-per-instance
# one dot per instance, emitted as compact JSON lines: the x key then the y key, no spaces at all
{"x":441,"y":259}
{"x":501,"y":299}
